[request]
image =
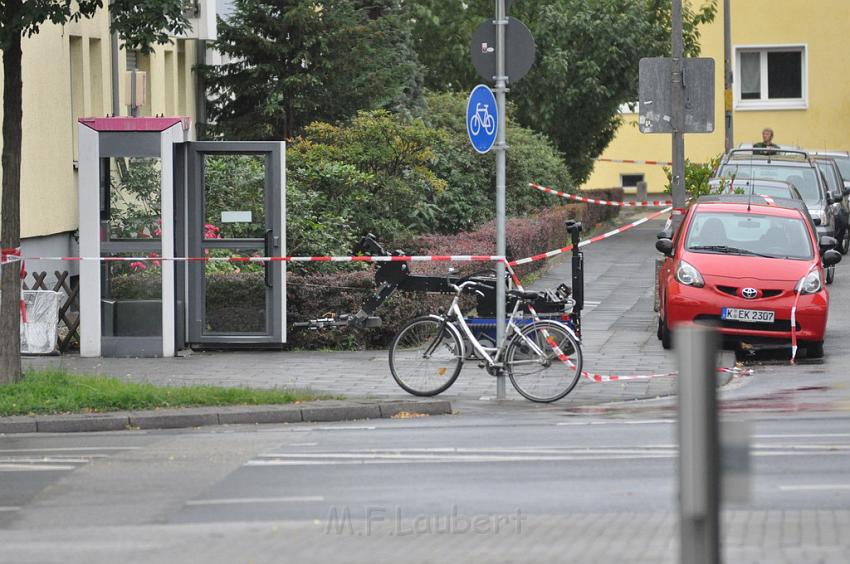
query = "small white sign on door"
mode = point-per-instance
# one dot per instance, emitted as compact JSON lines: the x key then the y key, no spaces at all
{"x":236,"y":217}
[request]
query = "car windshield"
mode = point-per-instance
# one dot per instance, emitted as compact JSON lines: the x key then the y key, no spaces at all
{"x":749,"y":234}
{"x":829,"y":174}
{"x":804,"y":179}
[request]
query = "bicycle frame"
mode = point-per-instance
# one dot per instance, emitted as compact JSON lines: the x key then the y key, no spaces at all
{"x":490,"y":355}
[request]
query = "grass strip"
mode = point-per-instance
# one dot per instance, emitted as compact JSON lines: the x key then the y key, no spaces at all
{"x":57,"y":392}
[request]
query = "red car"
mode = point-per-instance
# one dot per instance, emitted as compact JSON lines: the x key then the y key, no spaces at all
{"x":738,"y":263}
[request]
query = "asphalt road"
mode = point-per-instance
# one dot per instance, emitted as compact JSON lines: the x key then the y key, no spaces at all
{"x":496,"y":482}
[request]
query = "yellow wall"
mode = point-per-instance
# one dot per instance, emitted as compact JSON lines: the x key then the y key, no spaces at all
{"x":67,"y":74}
{"x":821,"y":26}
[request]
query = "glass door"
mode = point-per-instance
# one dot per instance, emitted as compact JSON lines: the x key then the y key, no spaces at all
{"x":235,"y":210}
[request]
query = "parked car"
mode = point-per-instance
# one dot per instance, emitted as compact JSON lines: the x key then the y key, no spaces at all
{"x":738,"y":262}
{"x":841,"y":158}
{"x":757,"y":186}
{"x":794,"y":167}
{"x":840,"y":205}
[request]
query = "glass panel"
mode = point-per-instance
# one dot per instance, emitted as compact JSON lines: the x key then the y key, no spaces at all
{"x":234,"y":193}
{"x":749,"y":234}
{"x":785,"y":74}
{"x":131,"y":298}
{"x":804,"y":179}
{"x":829,"y":174}
{"x":134,"y":198}
{"x":750,"y":76}
{"x":235,"y":294}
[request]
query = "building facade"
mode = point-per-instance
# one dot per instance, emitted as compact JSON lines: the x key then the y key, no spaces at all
{"x":791,"y":70}
{"x":68,"y":74}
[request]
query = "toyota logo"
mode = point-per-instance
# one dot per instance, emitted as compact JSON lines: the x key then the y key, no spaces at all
{"x":749,"y":293}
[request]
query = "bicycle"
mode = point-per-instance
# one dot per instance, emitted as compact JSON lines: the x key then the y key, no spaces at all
{"x":482,"y":118}
{"x":542,"y":358}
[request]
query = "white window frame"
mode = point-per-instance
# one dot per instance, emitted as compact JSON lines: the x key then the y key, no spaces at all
{"x":766,"y":103}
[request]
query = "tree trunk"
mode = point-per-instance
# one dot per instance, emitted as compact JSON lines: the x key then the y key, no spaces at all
{"x":10,"y":235}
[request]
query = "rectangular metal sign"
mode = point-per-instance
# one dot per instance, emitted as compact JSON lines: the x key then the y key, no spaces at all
{"x":656,"y":100}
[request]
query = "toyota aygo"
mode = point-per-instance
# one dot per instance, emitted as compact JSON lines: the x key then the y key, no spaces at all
{"x":741,"y":263}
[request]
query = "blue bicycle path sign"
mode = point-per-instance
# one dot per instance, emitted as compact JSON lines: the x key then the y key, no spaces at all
{"x":482,"y":118}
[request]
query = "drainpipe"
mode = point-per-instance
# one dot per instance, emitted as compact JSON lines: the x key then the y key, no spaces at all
{"x":116,"y":94}
{"x":200,"y":91}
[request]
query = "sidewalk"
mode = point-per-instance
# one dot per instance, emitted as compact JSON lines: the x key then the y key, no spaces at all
{"x":619,"y":338}
{"x":769,"y":537}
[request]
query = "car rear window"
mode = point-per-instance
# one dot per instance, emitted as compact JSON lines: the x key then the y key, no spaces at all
{"x":804,"y":179}
{"x":749,"y":234}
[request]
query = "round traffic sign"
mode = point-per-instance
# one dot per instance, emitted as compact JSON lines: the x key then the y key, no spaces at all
{"x":519,"y":51}
{"x":482,"y":118}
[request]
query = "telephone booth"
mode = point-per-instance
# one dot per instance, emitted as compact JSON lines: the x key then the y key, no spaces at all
{"x":148,"y":196}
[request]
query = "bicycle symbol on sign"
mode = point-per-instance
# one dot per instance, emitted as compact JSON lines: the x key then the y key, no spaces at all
{"x":482,"y":118}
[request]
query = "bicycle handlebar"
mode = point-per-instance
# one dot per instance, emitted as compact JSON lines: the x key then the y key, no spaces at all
{"x":460,"y":288}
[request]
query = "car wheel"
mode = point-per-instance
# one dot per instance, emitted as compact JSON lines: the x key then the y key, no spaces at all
{"x":830,"y":274}
{"x":814,"y":350}
{"x":666,"y":337}
{"x":660,"y":331}
{"x":844,"y":242}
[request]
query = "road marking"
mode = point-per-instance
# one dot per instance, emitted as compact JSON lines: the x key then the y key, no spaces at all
{"x":303,"y":444}
{"x":802,"y":436}
{"x":68,"y":449}
{"x":638,"y":422}
{"x":340,"y":428}
{"x":815,"y":487}
{"x":8,"y":508}
{"x":33,"y":467}
{"x":239,"y":500}
{"x":47,"y":460}
{"x":445,"y":460}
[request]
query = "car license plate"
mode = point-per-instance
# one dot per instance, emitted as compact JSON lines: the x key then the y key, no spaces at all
{"x":746,"y":315}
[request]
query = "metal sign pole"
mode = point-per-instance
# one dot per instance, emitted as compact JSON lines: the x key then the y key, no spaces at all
{"x":699,"y":465}
{"x":501,"y":165}
{"x":727,"y":72}
{"x":678,"y":99}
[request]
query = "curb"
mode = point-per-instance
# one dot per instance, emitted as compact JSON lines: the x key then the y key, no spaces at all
{"x":312,"y":412}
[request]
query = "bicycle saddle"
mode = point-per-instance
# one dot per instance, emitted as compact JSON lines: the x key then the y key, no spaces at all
{"x":529,"y":295}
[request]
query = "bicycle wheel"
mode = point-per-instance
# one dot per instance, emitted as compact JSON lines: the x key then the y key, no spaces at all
{"x":536,"y":370}
{"x":426,"y":356}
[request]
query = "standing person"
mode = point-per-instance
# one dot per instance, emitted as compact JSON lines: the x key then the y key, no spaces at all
{"x":766,"y":142}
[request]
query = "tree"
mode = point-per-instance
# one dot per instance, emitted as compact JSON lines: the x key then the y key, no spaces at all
{"x":586,"y":66}
{"x":292,"y":62}
{"x":140,"y":23}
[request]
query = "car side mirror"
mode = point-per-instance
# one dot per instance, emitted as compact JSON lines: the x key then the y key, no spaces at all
{"x":846,"y":190}
{"x":829,"y":199}
{"x":827,"y":243}
{"x":831,"y":258}
{"x":665,"y":247}
{"x":816,"y":221}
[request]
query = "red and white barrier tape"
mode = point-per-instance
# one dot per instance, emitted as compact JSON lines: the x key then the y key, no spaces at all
{"x":652,"y":204}
{"x":799,"y":290}
{"x":154,"y":258}
{"x":631,"y":161}
{"x":599,"y":378}
{"x":411,"y":258}
{"x":596,"y":239}
{"x":9,"y":255}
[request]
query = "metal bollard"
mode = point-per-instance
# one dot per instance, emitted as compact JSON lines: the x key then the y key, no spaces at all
{"x":699,"y":465}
